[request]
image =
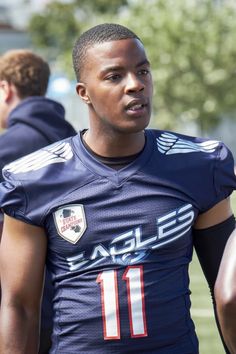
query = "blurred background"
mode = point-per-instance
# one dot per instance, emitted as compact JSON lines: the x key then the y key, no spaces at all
{"x":191,"y":46}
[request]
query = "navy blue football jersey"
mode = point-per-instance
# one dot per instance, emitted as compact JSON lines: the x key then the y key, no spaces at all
{"x":120,"y":242}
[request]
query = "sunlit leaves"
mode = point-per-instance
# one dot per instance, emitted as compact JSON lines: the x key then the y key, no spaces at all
{"x":191,"y":45}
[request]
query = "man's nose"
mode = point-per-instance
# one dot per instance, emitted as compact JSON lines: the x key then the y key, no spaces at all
{"x":134,"y":83}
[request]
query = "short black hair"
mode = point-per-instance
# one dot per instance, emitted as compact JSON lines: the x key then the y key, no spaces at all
{"x":104,"y":32}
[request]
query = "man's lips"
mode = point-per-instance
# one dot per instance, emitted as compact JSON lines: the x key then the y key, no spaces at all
{"x":136,"y":105}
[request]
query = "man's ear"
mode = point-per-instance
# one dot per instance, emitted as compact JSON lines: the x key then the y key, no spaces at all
{"x":5,"y":91}
{"x":82,"y":92}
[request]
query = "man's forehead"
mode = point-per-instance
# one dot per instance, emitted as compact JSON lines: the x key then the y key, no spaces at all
{"x":115,"y":47}
{"x":115,"y":52}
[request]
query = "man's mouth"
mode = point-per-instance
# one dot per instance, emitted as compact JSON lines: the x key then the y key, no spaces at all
{"x":136,"y":105}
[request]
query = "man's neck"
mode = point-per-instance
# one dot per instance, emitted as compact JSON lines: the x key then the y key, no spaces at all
{"x":119,"y":146}
{"x":114,"y":162}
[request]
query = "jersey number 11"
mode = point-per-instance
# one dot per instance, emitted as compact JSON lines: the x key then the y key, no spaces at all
{"x":133,"y":276}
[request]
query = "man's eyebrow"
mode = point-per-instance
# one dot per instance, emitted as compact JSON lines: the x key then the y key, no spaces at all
{"x":143,"y":62}
{"x":118,"y":67}
{"x":111,"y":68}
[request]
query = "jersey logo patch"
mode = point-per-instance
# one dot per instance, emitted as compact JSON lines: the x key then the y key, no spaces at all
{"x":59,"y":152}
{"x":170,"y":144}
{"x":70,"y":222}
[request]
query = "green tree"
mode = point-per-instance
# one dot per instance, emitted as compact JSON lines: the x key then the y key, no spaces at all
{"x":191,"y":45}
{"x":56,"y":28}
{"x":101,"y":6}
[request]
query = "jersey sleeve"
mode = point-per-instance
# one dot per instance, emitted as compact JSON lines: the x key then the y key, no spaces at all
{"x":20,"y":197}
{"x":224,"y":174}
{"x":13,"y":199}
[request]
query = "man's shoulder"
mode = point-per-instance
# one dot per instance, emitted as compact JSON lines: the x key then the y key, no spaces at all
{"x":203,"y":168}
{"x":39,"y":162}
{"x":169,"y":135}
{"x":173,"y":143}
{"x":39,"y":181}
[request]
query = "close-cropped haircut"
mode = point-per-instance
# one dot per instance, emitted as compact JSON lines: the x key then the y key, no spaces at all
{"x":27,"y":71}
{"x":105,"y":32}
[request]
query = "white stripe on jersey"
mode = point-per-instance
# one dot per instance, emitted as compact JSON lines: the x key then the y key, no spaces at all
{"x":170,"y":144}
{"x":56,"y":153}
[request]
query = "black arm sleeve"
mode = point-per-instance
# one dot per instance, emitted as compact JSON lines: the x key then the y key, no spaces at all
{"x":209,"y":245}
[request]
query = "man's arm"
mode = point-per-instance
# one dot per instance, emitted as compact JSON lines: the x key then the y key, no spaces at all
{"x":212,"y":230}
{"x":225,"y":294}
{"x":217,"y":214}
{"x":22,"y":259}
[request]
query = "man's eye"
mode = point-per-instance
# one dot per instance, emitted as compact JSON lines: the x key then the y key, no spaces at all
{"x":113,"y":77}
{"x":143,"y":72}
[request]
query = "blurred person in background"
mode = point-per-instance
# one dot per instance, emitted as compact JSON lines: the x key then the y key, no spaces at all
{"x":119,"y":210}
{"x":31,"y":121}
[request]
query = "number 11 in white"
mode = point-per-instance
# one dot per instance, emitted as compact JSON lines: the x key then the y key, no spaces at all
{"x":133,"y":276}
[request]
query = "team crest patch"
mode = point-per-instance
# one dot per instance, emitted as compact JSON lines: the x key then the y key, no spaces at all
{"x":70,"y":222}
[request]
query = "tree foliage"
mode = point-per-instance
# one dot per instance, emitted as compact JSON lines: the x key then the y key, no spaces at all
{"x":190,"y":43}
{"x":57,"y":27}
{"x":193,"y":55}
{"x":101,"y":6}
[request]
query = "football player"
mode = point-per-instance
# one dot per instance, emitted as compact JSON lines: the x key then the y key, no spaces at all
{"x":114,"y":212}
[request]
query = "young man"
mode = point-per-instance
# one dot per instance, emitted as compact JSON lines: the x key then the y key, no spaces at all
{"x":115,"y":215}
{"x":225,"y":294}
{"x":32,"y":121}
